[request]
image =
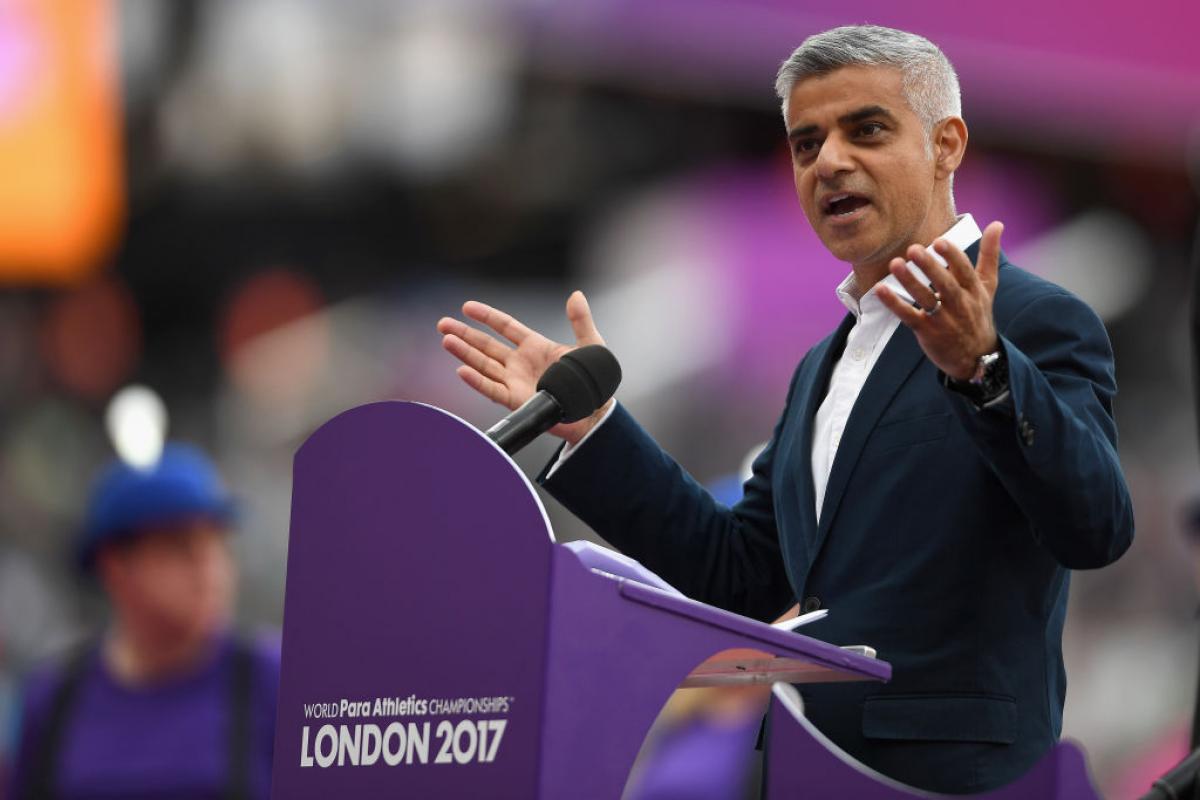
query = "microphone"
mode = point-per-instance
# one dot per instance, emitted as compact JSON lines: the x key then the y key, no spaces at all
{"x":570,"y":389}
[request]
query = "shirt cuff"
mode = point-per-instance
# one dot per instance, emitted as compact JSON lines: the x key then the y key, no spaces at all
{"x":568,"y":449}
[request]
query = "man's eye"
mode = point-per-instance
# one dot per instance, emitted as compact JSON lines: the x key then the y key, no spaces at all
{"x":870,"y":129}
{"x":807,"y":146}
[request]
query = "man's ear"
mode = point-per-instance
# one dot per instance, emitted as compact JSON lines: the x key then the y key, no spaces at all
{"x":949,"y":140}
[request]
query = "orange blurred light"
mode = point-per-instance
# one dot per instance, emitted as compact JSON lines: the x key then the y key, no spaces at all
{"x":61,"y":194}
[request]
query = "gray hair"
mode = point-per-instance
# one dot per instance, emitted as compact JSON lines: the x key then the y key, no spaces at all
{"x":929,"y":82}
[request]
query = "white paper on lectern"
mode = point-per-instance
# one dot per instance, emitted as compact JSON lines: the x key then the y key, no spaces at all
{"x":612,"y":564}
{"x":802,"y":620}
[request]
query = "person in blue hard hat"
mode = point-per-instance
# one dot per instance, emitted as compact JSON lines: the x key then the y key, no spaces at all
{"x":168,"y":702}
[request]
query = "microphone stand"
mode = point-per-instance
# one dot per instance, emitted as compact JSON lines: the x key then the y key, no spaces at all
{"x":1180,"y":783}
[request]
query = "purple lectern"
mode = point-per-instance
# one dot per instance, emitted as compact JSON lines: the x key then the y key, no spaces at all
{"x":437,"y":643}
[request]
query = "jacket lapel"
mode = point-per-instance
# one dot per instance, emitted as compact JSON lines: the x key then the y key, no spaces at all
{"x":899,"y":358}
{"x":812,"y":393}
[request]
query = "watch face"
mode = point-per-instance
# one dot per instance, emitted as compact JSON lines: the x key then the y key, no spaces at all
{"x":983,"y":366}
{"x":989,"y":381}
{"x":995,"y":374}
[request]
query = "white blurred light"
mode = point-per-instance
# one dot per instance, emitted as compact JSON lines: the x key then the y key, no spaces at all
{"x":659,"y":280}
{"x":1102,"y":256}
{"x":142,"y":27}
{"x":438,"y":89}
{"x":136,"y":420}
{"x":263,"y":89}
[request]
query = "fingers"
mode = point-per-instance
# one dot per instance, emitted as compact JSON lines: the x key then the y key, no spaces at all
{"x":473,"y":357}
{"x":502,"y":323}
{"x":957,"y":264}
{"x":912,"y":317}
{"x":921,"y":293}
{"x":984,"y":274}
{"x":791,"y":613}
{"x":944,"y":283}
{"x":491,"y":348}
{"x":580,"y":316}
{"x":989,"y":256}
{"x":496,"y":392}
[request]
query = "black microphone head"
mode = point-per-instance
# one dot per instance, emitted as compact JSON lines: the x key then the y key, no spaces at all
{"x":582,"y":380}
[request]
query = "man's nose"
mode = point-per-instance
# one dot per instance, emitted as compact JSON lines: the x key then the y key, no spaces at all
{"x":833,"y":158}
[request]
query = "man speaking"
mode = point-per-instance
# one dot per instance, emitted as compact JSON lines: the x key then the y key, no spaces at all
{"x":943,"y":459}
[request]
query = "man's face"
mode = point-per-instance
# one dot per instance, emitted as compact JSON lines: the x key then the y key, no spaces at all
{"x":861,"y":166}
{"x":175,"y":584}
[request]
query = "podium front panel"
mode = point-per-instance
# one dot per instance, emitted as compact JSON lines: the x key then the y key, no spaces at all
{"x":415,"y":620}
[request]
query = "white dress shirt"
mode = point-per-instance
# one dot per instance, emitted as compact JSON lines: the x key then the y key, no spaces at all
{"x":873,"y":327}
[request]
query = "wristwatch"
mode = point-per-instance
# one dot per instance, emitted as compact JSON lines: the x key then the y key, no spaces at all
{"x":988,"y":384}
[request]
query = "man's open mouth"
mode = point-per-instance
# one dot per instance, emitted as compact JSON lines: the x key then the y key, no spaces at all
{"x":843,"y":204}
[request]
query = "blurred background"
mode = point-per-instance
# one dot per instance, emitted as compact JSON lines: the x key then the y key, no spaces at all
{"x":258,"y":209}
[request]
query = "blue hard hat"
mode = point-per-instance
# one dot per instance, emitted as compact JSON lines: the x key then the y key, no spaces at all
{"x":126,"y":500}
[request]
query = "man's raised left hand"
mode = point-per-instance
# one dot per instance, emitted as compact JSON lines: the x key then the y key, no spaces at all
{"x":954,"y":326}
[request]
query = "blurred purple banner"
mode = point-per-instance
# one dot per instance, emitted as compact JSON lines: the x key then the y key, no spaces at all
{"x":1101,"y":73}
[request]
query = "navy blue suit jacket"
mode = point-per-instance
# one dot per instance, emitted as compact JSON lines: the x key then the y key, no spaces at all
{"x":945,"y":542}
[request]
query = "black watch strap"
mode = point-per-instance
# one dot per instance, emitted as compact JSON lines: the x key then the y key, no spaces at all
{"x":988,"y":385}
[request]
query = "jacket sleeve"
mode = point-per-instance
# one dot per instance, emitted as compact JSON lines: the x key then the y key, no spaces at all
{"x":632,"y":493}
{"x":1053,"y":444}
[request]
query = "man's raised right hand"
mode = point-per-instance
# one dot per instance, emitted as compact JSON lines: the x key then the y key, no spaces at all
{"x":506,"y":374}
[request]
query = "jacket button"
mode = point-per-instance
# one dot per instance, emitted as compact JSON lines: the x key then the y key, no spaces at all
{"x":810,"y":605}
{"x":1027,"y":432}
